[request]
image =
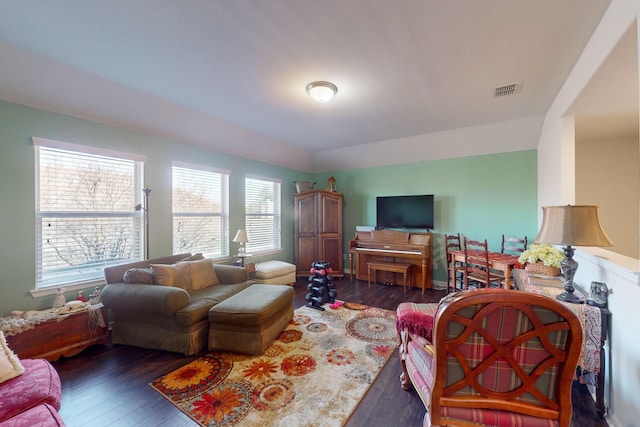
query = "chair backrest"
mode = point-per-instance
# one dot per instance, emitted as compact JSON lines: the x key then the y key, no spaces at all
{"x":503,"y":350}
{"x":513,"y":245}
{"x":476,"y":261}
{"x":452,"y":242}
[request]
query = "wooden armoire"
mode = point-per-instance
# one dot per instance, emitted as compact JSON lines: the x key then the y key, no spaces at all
{"x":318,"y":234}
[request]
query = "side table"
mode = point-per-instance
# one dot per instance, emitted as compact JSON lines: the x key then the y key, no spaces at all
{"x":67,"y":335}
{"x":551,"y":287}
{"x":242,"y":257}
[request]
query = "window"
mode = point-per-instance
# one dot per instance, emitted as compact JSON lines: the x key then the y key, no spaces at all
{"x":85,"y":216}
{"x":262,"y":209}
{"x":200,"y":210}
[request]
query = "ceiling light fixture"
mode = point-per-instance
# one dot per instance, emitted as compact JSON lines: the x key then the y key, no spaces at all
{"x":321,"y":91}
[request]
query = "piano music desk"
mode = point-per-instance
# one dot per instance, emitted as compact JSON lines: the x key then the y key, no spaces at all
{"x":391,"y":267}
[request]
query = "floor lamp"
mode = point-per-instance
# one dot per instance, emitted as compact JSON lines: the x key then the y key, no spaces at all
{"x":571,"y":226}
{"x":145,"y":208}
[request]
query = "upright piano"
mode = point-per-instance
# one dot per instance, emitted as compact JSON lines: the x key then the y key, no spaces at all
{"x":390,"y":246}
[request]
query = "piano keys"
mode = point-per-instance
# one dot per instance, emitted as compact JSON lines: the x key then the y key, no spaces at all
{"x":389,"y":246}
{"x":389,"y":251}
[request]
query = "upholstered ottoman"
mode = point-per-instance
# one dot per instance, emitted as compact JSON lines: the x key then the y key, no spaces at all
{"x":275,"y":273}
{"x":249,"y":321}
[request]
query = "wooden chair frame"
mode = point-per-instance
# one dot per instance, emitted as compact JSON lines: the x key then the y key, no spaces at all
{"x":455,"y":270}
{"x":513,"y":245}
{"x":468,"y":343}
{"x":477,"y":267}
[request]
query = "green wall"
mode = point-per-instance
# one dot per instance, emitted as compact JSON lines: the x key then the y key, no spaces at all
{"x":18,"y":124}
{"x":476,"y":196}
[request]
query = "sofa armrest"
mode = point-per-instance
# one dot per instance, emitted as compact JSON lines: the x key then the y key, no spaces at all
{"x":228,"y":274}
{"x":153,"y":299}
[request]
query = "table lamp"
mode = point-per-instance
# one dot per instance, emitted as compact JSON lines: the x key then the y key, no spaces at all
{"x":241,"y":237}
{"x":571,"y":225}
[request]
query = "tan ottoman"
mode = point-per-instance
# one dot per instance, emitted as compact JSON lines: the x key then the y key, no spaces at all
{"x":275,"y":273}
{"x":250,"y":321}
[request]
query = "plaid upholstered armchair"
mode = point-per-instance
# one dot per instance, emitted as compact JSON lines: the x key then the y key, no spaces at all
{"x":491,"y":357}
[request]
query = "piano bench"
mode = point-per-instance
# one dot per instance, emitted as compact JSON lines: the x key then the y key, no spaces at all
{"x":390,"y":267}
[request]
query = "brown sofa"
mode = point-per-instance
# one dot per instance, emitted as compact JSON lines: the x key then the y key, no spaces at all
{"x":156,"y":310}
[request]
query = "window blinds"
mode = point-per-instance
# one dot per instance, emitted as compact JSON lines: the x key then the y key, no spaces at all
{"x":262,"y":210}
{"x":85,"y":216}
{"x":200,"y":211}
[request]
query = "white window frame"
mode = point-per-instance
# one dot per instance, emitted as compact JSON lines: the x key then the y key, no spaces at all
{"x":212,"y":186}
{"x":267,"y":237}
{"x":54,"y":267}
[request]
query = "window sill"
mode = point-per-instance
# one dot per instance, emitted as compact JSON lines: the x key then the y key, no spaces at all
{"x":265,"y":253}
{"x":51,"y":290}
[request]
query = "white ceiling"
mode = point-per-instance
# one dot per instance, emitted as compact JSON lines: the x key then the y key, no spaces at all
{"x":232,"y":74}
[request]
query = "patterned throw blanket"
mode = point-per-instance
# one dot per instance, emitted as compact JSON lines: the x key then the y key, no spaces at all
{"x":589,"y":317}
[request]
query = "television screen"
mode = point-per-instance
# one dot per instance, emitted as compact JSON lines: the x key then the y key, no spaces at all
{"x":405,"y":212}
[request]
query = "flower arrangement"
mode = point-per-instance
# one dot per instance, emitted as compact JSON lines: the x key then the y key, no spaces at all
{"x":548,"y":255}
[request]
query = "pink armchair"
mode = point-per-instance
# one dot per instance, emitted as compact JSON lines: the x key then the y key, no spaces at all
{"x":497,"y":357}
{"x":30,"y":391}
{"x":33,"y":398}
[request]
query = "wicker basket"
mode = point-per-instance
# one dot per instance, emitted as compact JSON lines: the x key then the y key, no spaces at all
{"x":545,"y":270}
{"x":302,"y":187}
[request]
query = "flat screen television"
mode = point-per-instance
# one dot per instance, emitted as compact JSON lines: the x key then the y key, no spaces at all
{"x":405,"y":212}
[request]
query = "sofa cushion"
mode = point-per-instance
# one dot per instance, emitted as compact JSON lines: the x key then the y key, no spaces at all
{"x":202,"y":274}
{"x":271,"y":269}
{"x":138,"y":275}
{"x":176,"y":275}
{"x":194,"y":257}
{"x":40,"y":383}
{"x":114,"y":273}
{"x":420,"y":364}
{"x":202,"y":300}
{"x":10,"y":366}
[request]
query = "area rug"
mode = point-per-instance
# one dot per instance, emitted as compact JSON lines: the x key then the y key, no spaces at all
{"x":314,"y":374}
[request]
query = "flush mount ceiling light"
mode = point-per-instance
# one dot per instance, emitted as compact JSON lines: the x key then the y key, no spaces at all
{"x":321,"y":91}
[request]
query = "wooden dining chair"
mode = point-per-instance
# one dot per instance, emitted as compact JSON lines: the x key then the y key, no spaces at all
{"x":454,"y":269}
{"x":477,"y":267}
{"x":513,"y":245}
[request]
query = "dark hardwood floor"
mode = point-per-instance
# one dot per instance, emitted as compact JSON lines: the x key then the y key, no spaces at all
{"x":108,"y":385}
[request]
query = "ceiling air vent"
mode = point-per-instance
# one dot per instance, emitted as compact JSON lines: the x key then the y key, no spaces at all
{"x":507,"y":90}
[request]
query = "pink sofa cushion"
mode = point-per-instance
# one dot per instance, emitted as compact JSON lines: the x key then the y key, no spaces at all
{"x":39,"y":384}
{"x":43,"y":415}
{"x":420,"y":368}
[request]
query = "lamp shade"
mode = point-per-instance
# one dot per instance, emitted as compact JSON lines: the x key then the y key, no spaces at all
{"x":321,"y":91}
{"x":572,"y":226}
{"x":241,"y":237}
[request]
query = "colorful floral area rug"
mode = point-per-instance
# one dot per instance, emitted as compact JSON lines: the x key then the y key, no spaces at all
{"x":314,"y":374}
